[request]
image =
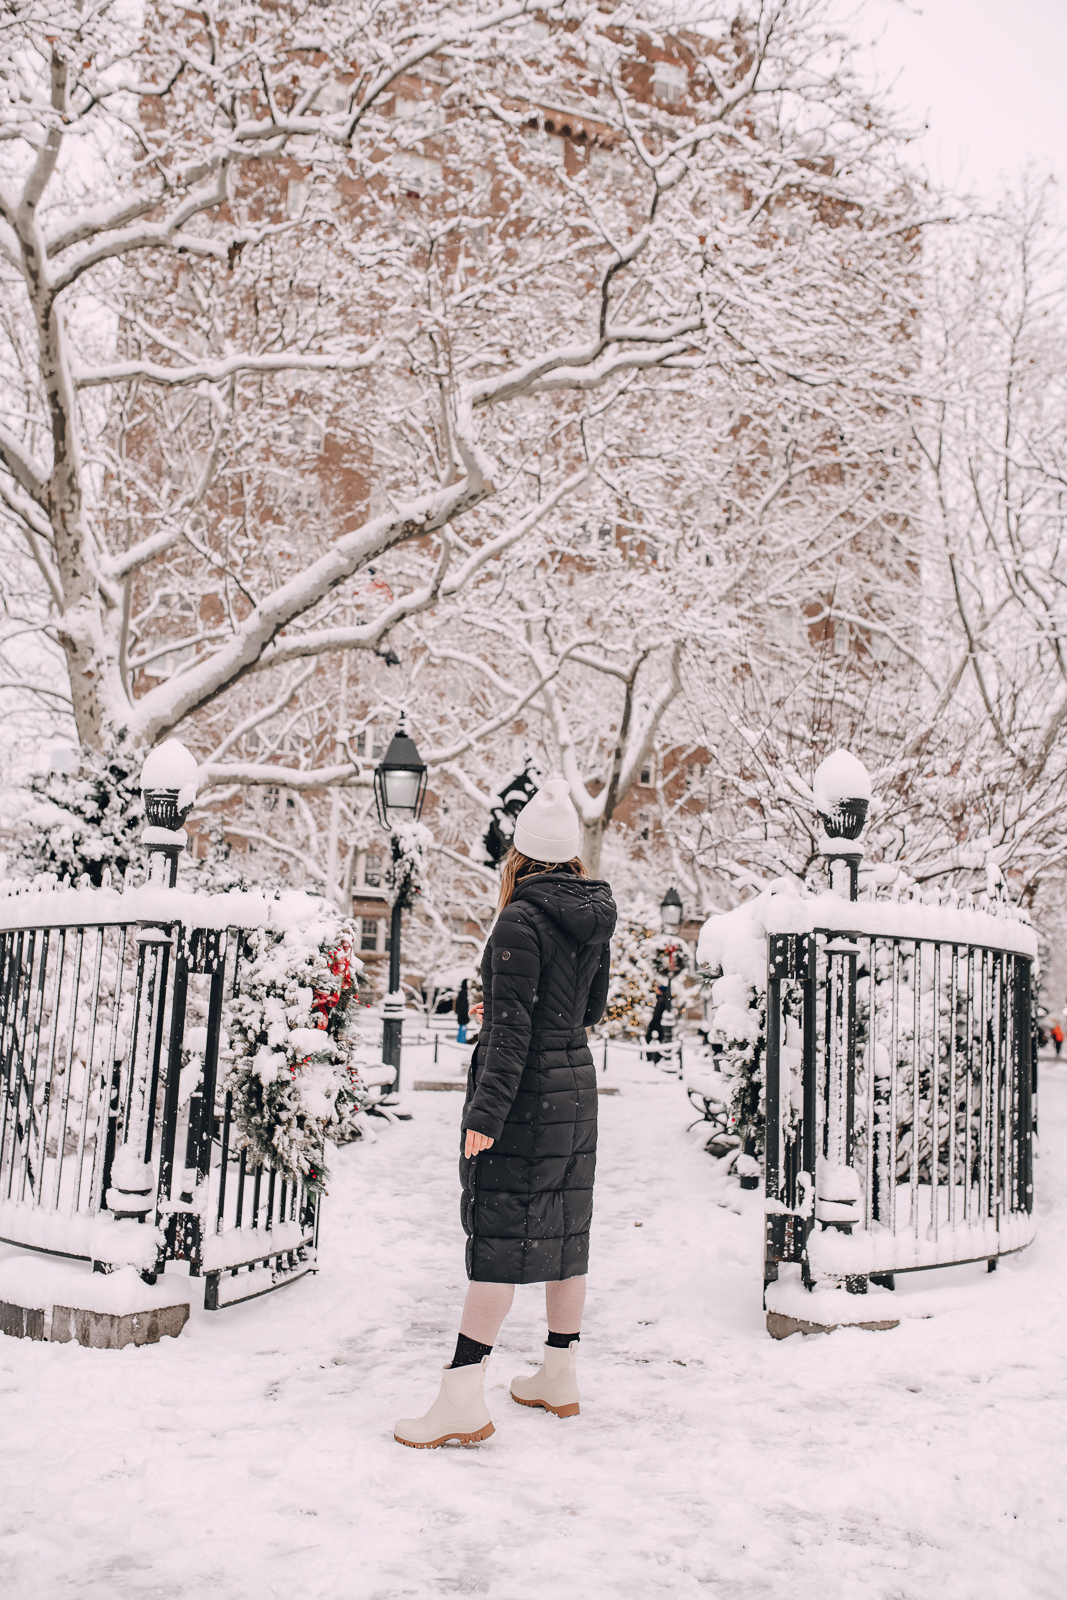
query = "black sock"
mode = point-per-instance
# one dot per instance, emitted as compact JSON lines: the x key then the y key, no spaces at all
{"x":469,"y":1352}
{"x":560,"y":1341}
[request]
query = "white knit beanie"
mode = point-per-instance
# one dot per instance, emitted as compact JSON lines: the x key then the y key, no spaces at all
{"x":547,"y":829}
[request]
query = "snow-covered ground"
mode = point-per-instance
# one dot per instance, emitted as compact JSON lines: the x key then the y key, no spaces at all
{"x":254,"y":1457}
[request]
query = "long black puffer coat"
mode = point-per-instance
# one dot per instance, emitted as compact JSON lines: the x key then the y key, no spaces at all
{"x":528,"y":1200}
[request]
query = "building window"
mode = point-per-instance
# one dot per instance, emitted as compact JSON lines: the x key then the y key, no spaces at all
{"x":422,"y":114}
{"x":370,"y":739}
{"x":372,"y":870}
{"x":301,"y":429}
{"x":418,"y":174}
{"x":645,"y":780}
{"x":669,"y":82}
{"x":369,"y":934}
{"x":333,"y":96}
{"x":609,"y":163}
{"x":296,"y":196}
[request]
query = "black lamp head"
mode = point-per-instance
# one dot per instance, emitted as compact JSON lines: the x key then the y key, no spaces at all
{"x":671,"y":908}
{"x":846,"y":820}
{"x":400,"y":781}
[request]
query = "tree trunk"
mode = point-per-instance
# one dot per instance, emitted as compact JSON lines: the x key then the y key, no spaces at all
{"x":592,"y":845}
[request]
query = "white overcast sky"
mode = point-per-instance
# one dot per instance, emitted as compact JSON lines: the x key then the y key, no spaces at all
{"x":989,"y":77}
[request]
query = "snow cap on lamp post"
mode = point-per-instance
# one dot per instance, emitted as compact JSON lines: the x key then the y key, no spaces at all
{"x":168,"y":785}
{"x":670,"y":909}
{"x":400,"y":781}
{"x":168,"y":789}
{"x":842,"y":789}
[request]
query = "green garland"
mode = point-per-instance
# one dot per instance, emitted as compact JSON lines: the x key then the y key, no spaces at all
{"x":292,"y":1028}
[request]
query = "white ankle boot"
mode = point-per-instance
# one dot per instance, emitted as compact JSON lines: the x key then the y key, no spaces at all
{"x":459,"y":1412}
{"x":555,"y":1386}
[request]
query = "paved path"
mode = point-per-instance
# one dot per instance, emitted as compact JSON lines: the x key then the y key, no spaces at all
{"x":253,"y":1457}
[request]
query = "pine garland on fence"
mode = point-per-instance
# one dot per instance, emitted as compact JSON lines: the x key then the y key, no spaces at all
{"x":292,"y":1030}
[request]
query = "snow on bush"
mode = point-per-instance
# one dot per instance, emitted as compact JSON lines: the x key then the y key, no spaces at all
{"x":632,"y":980}
{"x":732,"y":958}
{"x":87,"y":822}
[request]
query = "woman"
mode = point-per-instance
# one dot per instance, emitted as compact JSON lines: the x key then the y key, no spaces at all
{"x":529,"y":1121}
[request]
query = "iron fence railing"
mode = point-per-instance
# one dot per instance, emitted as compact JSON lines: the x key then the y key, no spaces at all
{"x":116,"y":1141}
{"x":899,"y":1101}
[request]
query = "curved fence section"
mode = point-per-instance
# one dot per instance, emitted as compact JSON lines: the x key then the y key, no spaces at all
{"x":116,"y":1139}
{"x":900,"y":1090}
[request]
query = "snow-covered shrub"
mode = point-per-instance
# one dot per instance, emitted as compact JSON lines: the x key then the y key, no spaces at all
{"x":87,"y":821}
{"x":732,"y":959}
{"x":293,"y":1029}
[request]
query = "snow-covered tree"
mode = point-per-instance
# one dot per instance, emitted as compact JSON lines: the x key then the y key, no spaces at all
{"x":240,"y":237}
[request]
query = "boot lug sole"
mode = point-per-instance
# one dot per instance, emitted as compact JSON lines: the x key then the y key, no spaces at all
{"x":571,"y":1410}
{"x":435,"y":1444}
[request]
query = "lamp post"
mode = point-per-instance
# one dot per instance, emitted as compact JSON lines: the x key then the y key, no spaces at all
{"x":842,"y":790}
{"x":399,"y":791}
{"x":670,"y":911}
{"x":168,"y":789}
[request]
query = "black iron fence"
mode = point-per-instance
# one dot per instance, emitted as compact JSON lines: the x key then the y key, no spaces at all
{"x":116,"y":1143}
{"x":900,"y":1081}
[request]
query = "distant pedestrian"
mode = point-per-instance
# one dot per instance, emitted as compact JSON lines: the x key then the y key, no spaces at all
{"x":529,"y":1121}
{"x":463,"y":1013}
{"x":1057,"y":1037}
{"x":655,"y":1027}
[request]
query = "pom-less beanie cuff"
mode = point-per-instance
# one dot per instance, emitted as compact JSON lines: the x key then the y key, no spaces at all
{"x":547,"y":829}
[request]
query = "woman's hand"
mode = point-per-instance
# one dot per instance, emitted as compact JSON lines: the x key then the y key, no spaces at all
{"x":476,"y":1143}
{"x":477,"y":1012}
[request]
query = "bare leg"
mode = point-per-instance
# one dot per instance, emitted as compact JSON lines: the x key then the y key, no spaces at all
{"x":486,"y":1306}
{"x":564,"y":1303}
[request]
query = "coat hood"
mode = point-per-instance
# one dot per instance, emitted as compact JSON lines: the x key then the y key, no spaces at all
{"x":582,"y":907}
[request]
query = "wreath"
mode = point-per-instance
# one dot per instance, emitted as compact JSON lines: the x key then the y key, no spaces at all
{"x":292,"y":1030}
{"x":668,"y":955}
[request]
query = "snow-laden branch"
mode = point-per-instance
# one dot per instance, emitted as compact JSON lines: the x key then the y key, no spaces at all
{"x":164,"y":706}
{"x":253,"y":774}
{"x":218,"y":371}
{"x":492,"y":724}
{"x":22,"y":468}
{"x":442,"y":585}
{"x":259,"y":716}
{"x":565,"y":367}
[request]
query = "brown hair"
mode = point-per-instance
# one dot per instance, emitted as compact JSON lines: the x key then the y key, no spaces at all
{"x":517,"y":866}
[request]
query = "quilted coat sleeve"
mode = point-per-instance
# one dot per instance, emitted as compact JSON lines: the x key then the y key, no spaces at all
{"x":598,"y":989}
{"x":515,"y":955}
